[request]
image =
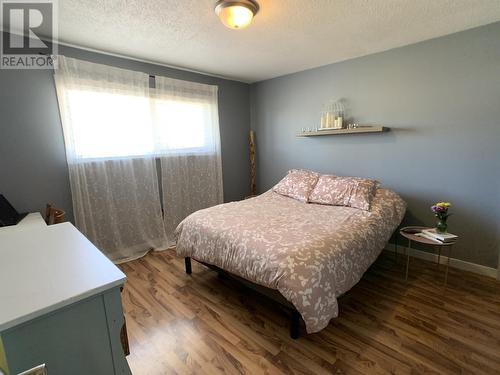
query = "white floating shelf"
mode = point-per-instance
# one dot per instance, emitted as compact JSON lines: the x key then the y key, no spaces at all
{"x":361,"y":129}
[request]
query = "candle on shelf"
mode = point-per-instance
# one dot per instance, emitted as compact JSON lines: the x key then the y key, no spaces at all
{"x":331,"y":120}
{"x":338,"y":122}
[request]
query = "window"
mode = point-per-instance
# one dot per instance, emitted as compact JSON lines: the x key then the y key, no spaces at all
{"x":108,"y":125}
{"x":115,"y":113}
{"x":181,"y":125}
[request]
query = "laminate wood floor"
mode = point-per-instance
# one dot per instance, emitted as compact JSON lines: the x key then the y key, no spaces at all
{"x":203,"y":324}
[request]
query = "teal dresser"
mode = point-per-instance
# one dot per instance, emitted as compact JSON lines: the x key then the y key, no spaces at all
{"x":60,"y":302}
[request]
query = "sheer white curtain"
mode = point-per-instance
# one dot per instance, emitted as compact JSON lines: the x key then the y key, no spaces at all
{"x":186,"y":119}
{"x":109,"y":138}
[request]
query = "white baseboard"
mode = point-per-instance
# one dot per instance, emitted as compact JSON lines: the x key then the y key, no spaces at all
{"x":455,"y":263}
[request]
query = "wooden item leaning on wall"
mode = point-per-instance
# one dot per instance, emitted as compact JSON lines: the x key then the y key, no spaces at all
{"x":253,"y":176}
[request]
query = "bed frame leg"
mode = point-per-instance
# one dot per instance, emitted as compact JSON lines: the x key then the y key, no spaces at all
{"x":187,"y":262}
{"x":294,"y":325}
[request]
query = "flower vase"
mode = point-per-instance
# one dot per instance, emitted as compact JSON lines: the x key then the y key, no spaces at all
{"x":442,"y":226}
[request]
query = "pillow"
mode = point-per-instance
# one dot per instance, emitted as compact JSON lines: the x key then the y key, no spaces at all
{"x":353,"y":192}
{"x":297,"y":184}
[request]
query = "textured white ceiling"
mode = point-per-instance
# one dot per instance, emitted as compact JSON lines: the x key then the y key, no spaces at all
{"x":286,"y":36}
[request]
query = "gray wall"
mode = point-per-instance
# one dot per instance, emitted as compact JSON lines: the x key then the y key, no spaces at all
{"x":442,"y":100}
{"x":33,"y":168}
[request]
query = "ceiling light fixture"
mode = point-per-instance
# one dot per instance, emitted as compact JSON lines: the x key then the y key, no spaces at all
{"x":236,"y":14}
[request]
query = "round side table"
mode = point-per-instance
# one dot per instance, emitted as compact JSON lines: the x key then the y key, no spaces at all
{"x":412,"y":237}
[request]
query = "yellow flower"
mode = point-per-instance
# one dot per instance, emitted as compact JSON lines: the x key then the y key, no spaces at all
{"x":444,"y":204}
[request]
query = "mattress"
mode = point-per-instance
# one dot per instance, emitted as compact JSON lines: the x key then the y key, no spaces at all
{"x":310,"y":253}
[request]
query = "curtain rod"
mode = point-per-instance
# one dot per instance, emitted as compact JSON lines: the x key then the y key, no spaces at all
{"x":44,"y":54}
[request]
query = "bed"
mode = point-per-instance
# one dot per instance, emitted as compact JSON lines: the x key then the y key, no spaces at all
{"x":309,"y":253}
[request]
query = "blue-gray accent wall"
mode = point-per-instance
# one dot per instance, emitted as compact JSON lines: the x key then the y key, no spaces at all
{"x":441,"y":99}
{"x":33,"y":169}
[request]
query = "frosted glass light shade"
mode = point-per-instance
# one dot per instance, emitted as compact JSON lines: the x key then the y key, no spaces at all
{"x":236,"y":14}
